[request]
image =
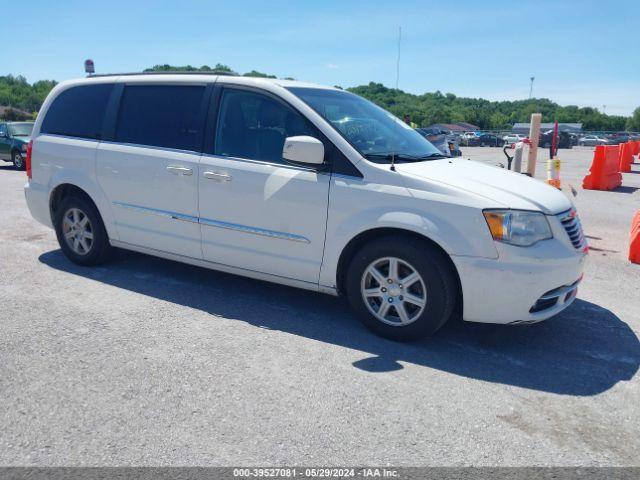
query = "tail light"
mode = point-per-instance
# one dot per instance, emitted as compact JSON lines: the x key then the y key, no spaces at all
{"x":28,"y":162}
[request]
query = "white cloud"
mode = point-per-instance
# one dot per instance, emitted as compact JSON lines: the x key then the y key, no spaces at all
{"x":332,"y":66}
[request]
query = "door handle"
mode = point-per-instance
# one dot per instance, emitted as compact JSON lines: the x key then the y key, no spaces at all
{"x":217,"y":176}
{"x":179,"y":170}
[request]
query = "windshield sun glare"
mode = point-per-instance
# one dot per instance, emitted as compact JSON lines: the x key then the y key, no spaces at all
{"x":375,"y":133}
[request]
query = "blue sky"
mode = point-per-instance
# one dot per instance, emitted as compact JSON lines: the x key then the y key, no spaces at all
{"x":581,"y":52}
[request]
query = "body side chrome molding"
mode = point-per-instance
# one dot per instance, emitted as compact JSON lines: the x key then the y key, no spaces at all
{"x":215,"y":223}
{"x":160,"y":213}
{"x":254,"y":230}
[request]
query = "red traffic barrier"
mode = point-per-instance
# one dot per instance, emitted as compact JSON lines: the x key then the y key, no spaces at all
{"x":626,"y":157}
{"x":635,"y":150}
{"x":604,"y":173}
{"x":634,"y":239}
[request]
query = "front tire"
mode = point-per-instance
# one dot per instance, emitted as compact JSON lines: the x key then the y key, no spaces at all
{"x":80,"y":231}
{"x":401,"y":288}
{"x":18,"y":160}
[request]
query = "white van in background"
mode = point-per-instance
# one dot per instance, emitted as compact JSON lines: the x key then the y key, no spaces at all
{"x":302,"y":185}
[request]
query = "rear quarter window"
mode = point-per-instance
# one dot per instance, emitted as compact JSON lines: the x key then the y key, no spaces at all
{"x":169,"y":116}
{"x":78,"y":112}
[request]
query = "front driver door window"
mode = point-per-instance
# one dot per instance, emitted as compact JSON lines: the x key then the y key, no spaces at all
{"x":254,"y":126}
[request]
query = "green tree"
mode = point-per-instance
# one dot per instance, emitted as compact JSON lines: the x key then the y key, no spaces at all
{"x":254,"y":73}
{"x":499,"y":120}
{"x":633,"y":122}
{"x":17,"y":93}
{"x":425,"y":109}
{"x":223,"y":68}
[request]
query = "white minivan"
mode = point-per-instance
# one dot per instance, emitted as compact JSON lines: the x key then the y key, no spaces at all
{"x":302,"y":185}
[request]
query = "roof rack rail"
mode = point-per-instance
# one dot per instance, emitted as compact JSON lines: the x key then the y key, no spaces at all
{"x":165,"y":72}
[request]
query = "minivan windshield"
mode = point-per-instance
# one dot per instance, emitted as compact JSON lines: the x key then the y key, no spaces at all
{"x":377,"y":134}
{"x":20,"y":129}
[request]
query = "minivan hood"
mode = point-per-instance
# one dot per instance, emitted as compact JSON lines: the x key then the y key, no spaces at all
{"x":510,"y":189}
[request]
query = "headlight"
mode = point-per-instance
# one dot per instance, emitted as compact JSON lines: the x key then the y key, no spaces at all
{"x":518,"y":227}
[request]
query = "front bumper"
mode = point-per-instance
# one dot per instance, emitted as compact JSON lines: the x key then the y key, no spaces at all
{"x":523,"y":285}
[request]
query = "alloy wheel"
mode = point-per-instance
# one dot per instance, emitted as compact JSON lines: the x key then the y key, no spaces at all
{"x":77,"y":231}
{"x":18,"y":161}
{"x":393,"y":291}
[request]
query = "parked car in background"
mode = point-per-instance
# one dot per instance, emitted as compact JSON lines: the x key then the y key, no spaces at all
{"x":512,"y":138}
{"x":574,"y":137}
{"x":618,"y":138}
{"x":457,"y":136}
{"x":546,"y":139}
{"x":486,"y":140}
{"x":301,"y":185}
{"x":14,"y":138}
{"x":592,"y":141}
{"x":444,"y":141}
{"x":466,"y":137}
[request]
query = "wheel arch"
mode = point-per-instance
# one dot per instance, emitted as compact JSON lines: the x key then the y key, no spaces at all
{"x":361,"y":239}
{"x":64,"y":190}
{"x":66,"y":182}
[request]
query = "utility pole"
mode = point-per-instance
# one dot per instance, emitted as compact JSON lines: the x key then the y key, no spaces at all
{"x":604,"y":109}
{"x":534,"y":138}
{"x":398,"y":62}
{"x":531,"y":86}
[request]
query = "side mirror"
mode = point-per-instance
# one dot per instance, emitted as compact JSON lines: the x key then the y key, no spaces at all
{"x":303,"y":149}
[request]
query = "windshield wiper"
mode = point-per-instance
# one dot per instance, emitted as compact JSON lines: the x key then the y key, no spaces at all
{"x":402,"y":157}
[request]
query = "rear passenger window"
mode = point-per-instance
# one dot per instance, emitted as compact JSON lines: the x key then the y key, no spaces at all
{"x":78,"y":112}
{"x":254,"y":126}
{"x":169,"y":116}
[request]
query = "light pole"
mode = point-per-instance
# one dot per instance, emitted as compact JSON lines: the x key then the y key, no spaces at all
{"x":398,"y":60}
{"x":531,"y":86}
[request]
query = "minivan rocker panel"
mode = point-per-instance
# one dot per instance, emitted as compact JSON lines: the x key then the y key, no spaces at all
{"x":301,"y":185}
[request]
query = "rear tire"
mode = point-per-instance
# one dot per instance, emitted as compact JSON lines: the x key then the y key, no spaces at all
{"x":409,"y":286}
{"x":18,"y":160}
{"x":80,"y":231}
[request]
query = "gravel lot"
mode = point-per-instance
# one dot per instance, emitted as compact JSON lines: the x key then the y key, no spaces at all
{"x":148,"y":362}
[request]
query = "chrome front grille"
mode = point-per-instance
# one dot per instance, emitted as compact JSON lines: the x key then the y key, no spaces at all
{"x":573,"y":227}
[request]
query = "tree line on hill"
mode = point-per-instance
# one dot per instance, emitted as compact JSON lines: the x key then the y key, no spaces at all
{"x":424,"y":110}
